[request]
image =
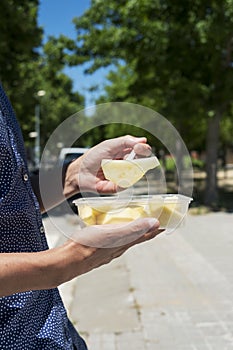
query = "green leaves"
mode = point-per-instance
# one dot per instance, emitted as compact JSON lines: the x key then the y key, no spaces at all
{"x":27,"y":66}
{"x":173,"y":56}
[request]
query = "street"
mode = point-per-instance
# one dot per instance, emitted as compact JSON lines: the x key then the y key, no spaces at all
{"x":174,"y":292}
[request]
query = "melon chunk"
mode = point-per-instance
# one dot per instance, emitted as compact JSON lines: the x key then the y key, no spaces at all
{"x":88,"y":214}
{"x":126,"y":173}
{"x":166,"y":214}
{"x":123,"y":215}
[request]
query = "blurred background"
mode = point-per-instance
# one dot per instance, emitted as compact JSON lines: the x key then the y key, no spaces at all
{"x":172,"y":56}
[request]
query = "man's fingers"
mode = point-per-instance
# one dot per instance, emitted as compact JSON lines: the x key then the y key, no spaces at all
{"x":123,"y":143}
{"x":146,"y":237}
{"x":142,"y":150}
{"x":108,"y":236}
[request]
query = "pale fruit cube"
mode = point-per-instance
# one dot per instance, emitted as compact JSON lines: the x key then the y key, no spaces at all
{"x":126,"y":173}
{"x":122,"y":215}
{"x":169,"y":217}
{"x":88,"y":215}
{"x":167,"y":214}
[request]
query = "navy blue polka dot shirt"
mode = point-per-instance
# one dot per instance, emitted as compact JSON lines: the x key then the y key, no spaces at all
{"x":31,"y":320}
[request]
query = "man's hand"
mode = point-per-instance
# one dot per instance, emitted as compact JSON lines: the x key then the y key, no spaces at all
{"x":85,"y":174}
{"x":104,"y":246}
{"x":114,"y":235}
{"x":48,"y":269}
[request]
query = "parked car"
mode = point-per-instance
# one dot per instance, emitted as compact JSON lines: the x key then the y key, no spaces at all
{"x":66,"y":156}
{"x":70,"y":153}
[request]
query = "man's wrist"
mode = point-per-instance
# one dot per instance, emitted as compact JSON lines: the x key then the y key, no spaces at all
{"x":72,"y":261}
{"x":70,"y":178}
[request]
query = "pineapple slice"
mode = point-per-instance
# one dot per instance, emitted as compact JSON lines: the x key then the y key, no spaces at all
{"x":120,"y":216}
{"x":166,"y":214}
{"x":88,"y":214}
{"x":126,"y":173}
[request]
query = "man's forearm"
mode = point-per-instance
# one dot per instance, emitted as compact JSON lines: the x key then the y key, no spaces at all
{"x":28,"y":271}
{"x":47,"y":269}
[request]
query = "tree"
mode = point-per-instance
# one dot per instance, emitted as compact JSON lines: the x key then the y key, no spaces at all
{"x":20,"y":38}
{"x":27,"y":66}
{"x":60,"y":100}
{"x":180,"y":54}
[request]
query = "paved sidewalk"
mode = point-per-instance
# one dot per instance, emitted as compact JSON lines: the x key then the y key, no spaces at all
{"x":172,"y":293}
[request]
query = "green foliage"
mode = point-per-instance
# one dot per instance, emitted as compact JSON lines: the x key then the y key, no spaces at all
{"x":170,"y":164}
{"x":227,"y":131}
{"x":172,"y":56}
{"x":198,"y":164}
{"x":27,"y":66}
{"x":20,"y":38}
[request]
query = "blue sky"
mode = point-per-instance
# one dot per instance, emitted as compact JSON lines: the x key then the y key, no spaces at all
{"x":55,"y":16}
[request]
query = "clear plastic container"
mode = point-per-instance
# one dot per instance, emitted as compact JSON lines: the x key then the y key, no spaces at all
{"x":169,"y":209}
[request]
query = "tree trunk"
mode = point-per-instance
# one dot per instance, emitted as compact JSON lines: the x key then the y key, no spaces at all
{"x":179,"y":167}
{"x":211,"y":188}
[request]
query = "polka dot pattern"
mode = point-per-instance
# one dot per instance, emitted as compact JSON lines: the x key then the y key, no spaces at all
{"x":31,"y":320}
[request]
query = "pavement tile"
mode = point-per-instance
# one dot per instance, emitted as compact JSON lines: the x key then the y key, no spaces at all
{"x":173,"y":293}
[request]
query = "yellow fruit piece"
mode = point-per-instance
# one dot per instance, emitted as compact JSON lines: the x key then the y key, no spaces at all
{"x":167,"y":214}
{"x":126,"y":173}
{"x":88,"y":214}
{"x":122,"y":215}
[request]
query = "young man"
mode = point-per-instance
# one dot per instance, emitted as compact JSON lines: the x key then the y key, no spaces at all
{"x":32,"y":315}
